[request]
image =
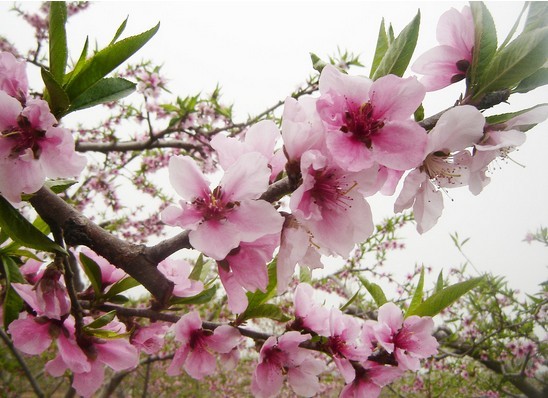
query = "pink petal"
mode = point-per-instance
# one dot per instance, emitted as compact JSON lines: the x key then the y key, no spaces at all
{"x":394,"y":98}
{"x":215,"y":239}
{"x":199,"y":364}
{"x":86,"y":384}
{"x":456,"y":29}
{"x":428,"y":207}
{"x":30,"y":336}
{"x":410,"y":190}
{"x":119,"y":354}
{"x":348,"y":153}
{"x":72,"y":354}
{"x":247,"y":178}
{"x":224,"y":339}
{"x":178,"y":361}
{"x":19,"y":176}
{"x":237,"y":299}
{"x":391,"y":315}
{"x":186,"y":178}
{"x":11,"y":108}
{"x":254,"y":219}
{"x":267,"y":381}
{"x":400,"y":145}
{"x":58,"y":157}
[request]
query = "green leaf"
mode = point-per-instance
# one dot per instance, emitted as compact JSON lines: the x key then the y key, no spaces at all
{"x":58,"y":52}
{"x":23,"y":232}
{"x":106,"y":334}
{"x":105,"y":61}
{"x":397,"y":56}
{"x":517,"y":61}
{"x":380,"y":50}
{"x":55,"y":95}
{"x":305,"y":275}
{"x":439,"y":283}
{"x":103,"y":320}
{"x":201,"y":298}
{"x":270,"y":311}
{"x":537,"y":79}
{"x":121,"y":286}
{"x":349,"y":302}
{"x":119,"y":31}
{"x":503,"y":118}
{"x":12,"y":304}
{"x":93,"y":272}
{"x":485,"y":44}
{"x":537,"y":17}
{"x":514,"y":27}
{"x":417,"y":296}
{"x":105,"y":90}
{"x":198,"y":268}
{"x":375,"y":291}
{"x":79,"y":65}
{"x":57,"y":186}
{"x":442,"y":299}
{"x":258,"y":297}
{"x":419,"y":113}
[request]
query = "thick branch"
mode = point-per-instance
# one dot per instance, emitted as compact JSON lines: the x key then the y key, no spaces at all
{"x":79,"y":230}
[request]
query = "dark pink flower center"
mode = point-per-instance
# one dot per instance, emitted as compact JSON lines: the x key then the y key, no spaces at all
{"x":198,"y":339}
{"x":462,"y":66}
{"x":336,"y":345}
{"x":361,"y":124}
{"x":24,"y":136}
{"x":214,"y":206}
{"x":331,"y":190}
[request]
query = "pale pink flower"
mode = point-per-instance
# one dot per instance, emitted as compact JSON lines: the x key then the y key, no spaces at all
{"x":110,"y":274}
{"x":245,"y":269}
{"x":449,"y":62}
{"x":410,"y":340}
{"x":149,"y":339}
{"x":344,"y":343}
{"x":32,"y":148}
{"x":29,"y":334}
{"x":329,"y":204}
{"x":196,"y":354}
{"x":499,"y":141}
{"x":13,"y":76}
{"x":447,"y":165}
{"x":369,"y":122}
{"x":281,"y":356}
{"x":48,"y":296}
{"x":178,"y":271}
{"x":369,"y":380}
{"x":220,"y":219}
{"x":261,"y":137}
{"x":310,"y":316}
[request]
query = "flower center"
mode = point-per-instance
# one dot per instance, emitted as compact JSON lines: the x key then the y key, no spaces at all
{"x":331,"y":191}
{"x":214,"y":207}
{"x":361,"y":124}
{"x":441,"y":166}
{"x":24,"y":137}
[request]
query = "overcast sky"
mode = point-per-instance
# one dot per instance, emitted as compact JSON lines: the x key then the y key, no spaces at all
{"x":259,"y":52}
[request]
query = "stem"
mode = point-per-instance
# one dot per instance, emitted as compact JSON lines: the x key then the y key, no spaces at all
{"x":37,"y":390}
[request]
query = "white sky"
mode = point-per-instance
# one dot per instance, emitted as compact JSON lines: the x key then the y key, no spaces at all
{"x":259,"y":52}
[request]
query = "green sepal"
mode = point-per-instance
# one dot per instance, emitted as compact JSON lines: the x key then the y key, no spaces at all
{"x":20,"y":230}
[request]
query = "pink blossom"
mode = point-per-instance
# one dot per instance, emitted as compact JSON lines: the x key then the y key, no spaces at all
{"x":110,"y":274}
{"x":499,"y":141}
{"x":220,"y":219}
{"x":13,"y":76}
{"x":149,"y":339}
{"x":450,"y":61}
{"x":48,"y":296}
{"x":178,"y":271}
{"x":310,"y":316}
{"x":369,"y":122}
{"x":32,"y":148}
{"x":410,"y":339}
{"x":281,"y":356}
{"x":32,"y":270}
{"x":29,"y":334}
{"x":329,"y":204}
{"x":195,"y":354}
{"x":245,"y":269}
{"x":369,"y":380}
{"x":261,"y":137}
{"x":447,"y":165}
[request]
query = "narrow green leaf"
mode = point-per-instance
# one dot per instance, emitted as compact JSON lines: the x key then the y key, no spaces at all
{"x":417,"y":296}
{"x":399,"y":53}
{"x":79,"y":65}
{"x":105,"y":61}
{"x":105,"y":90}
{"x":56,"y":96}
{"x":516,"y":62}
{"x":514,"y":27}
{"x":3,"y":237}
{"x":258,"y":297}
{"x":442,"y":299}
{"x":118,"y":299}
{"x":12,"y":304}
{"x":380,"y":50}
{"x":119,"y":31}
{"x":121,"y":286}
{"x":58,"y":52}
{"x":93,"y":272}
{"x":270,"y":311}
{"x":439,"y":282}
{"x":419,"y":113}
{"x":198,"y":267}
{"x":537,"y":17}
{"x":537,"y":79}
{"x":375,"y":291}
{"x":503,"y":118}
{"x":485,"y":44}
{"x":22,"y":231}
{"x":103,"y":320}
{"x":201,"y":298}
{"x":106,"y":334}
{"x":349,"y":302}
